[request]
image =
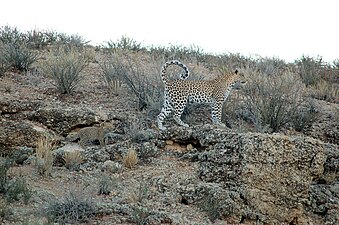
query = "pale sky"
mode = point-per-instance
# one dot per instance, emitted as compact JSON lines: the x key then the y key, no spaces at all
{"x":286,"y":29}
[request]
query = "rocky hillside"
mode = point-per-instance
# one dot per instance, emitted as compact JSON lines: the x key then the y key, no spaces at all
{"x":196,"y":175}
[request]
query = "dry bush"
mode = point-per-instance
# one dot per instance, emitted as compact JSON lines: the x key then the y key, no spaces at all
{"x":141,"y":83}
{"x":327,"y":91}
{"x":130,"y":159}
{"x":64,"y":66}
{"x":73,"y":160}
{"x":310,"y":69}
{"x":44,"y":155}
{"x":110,"y":75}
{"x":273,"y":101}
{"x":74,"y":208}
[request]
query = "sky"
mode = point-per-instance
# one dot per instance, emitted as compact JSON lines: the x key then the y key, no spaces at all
{"x":285,"y":29}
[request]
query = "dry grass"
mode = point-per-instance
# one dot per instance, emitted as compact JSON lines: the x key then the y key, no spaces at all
{"x":327,"y":91}
{"x":130,"y":159}
{"x":44,"y":155}
{"x":73,"y":160}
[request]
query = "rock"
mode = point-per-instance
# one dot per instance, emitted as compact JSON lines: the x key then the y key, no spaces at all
{"x":63,"y":119}
{"x":263,"y":178}
{"x":16,"y":133}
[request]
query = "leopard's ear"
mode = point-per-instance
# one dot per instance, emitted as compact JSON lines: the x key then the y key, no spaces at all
{"x":236,"y":71}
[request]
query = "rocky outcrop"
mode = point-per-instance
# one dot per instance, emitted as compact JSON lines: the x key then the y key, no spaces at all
{"x":14,"y":134}
{"x":63,"y":119}
{"x":272,"y":179}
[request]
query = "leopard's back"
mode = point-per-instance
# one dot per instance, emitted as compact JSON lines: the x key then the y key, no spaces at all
{"x":198,"y":90}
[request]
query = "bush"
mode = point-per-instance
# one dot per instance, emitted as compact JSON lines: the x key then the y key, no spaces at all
{"x":11,"y":35}
{"x":18,"y":189}
{"x":73,"y":160}
{"x":44,"y":155}
{"x":4,"y":167}
{"x":304,"y":117}
{"x":272,"y":102}
{"x":13,"y":189}
{"x":110,"y":76}
{"x":327,"y":91}
{"x":124,"y":43}
{"x":19,"y":56}
{"x":270,"y":66}
{"x":309,"y":69}
{"x":5,"y":211}
{"x":105,"y":185}
{"x":65,"y":66}
{"x":143,"y":85}
{"x":73,"y":209}
{"x":130,"y":159}
{"x":4,"y":64}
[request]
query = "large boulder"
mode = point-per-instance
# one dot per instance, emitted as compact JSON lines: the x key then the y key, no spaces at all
{"x":267,"y":178}
{"x":63,"y":119}
{"x":17,"y":133}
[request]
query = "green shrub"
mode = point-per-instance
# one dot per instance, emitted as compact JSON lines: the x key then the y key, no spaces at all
{"x":304,"y":117}
{"x":143,"y":85}
{"x":5,"y":211}
{"x":10,"y":35}
{"x":124,"y":43}
{"x":105,"y":185}
{"x":73,"y":209}
{"x":4,"y":167}
{"x":19,"y":56}
{"x":309,"y":69}
{"x":64,"y":66}
{"x":272,"y":101}
{"x":110,"y":75}
{"x":18,"y":189}
{"x":4,"y":64}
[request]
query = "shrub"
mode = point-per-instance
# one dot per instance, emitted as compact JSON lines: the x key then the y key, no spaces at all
{"x":130,"y":159}
{"x":270,"y":66}
{"x":124,"y":43}
{"x":65,"y":66}
{"x":304,"y":117}
{"x":5,"y":211}
{"x":13,"y":189}
{"x":73,"y":160}
{"x":272,"y":102}
{"x":10,"y":34}
{"x":143,"y":85}
{"x":110,"y":76}
{"x":4,"y":64}
{"x":44,"y":155}
{"x":327,"y":91}
{"x":212,"y":205}
{"x":4,"y":167}
{"x":17,"y":189}
{"x":37,"y":39}
{"x":105,"y":185}
{"x":73,"y":209}
{"x":309,"y":69}
{"x":143,"y":192}
{"x":19,"y":56}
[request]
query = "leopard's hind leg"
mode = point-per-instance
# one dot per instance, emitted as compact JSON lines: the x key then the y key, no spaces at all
{"x":165,"y":111}
{"x":179,"y":106}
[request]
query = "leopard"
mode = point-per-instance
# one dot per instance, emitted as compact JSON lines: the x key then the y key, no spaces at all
{"x":179,"y":92}
{"x":90,"y":134}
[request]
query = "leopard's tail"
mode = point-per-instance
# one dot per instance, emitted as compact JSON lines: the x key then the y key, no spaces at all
{"x":174,"y":62}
